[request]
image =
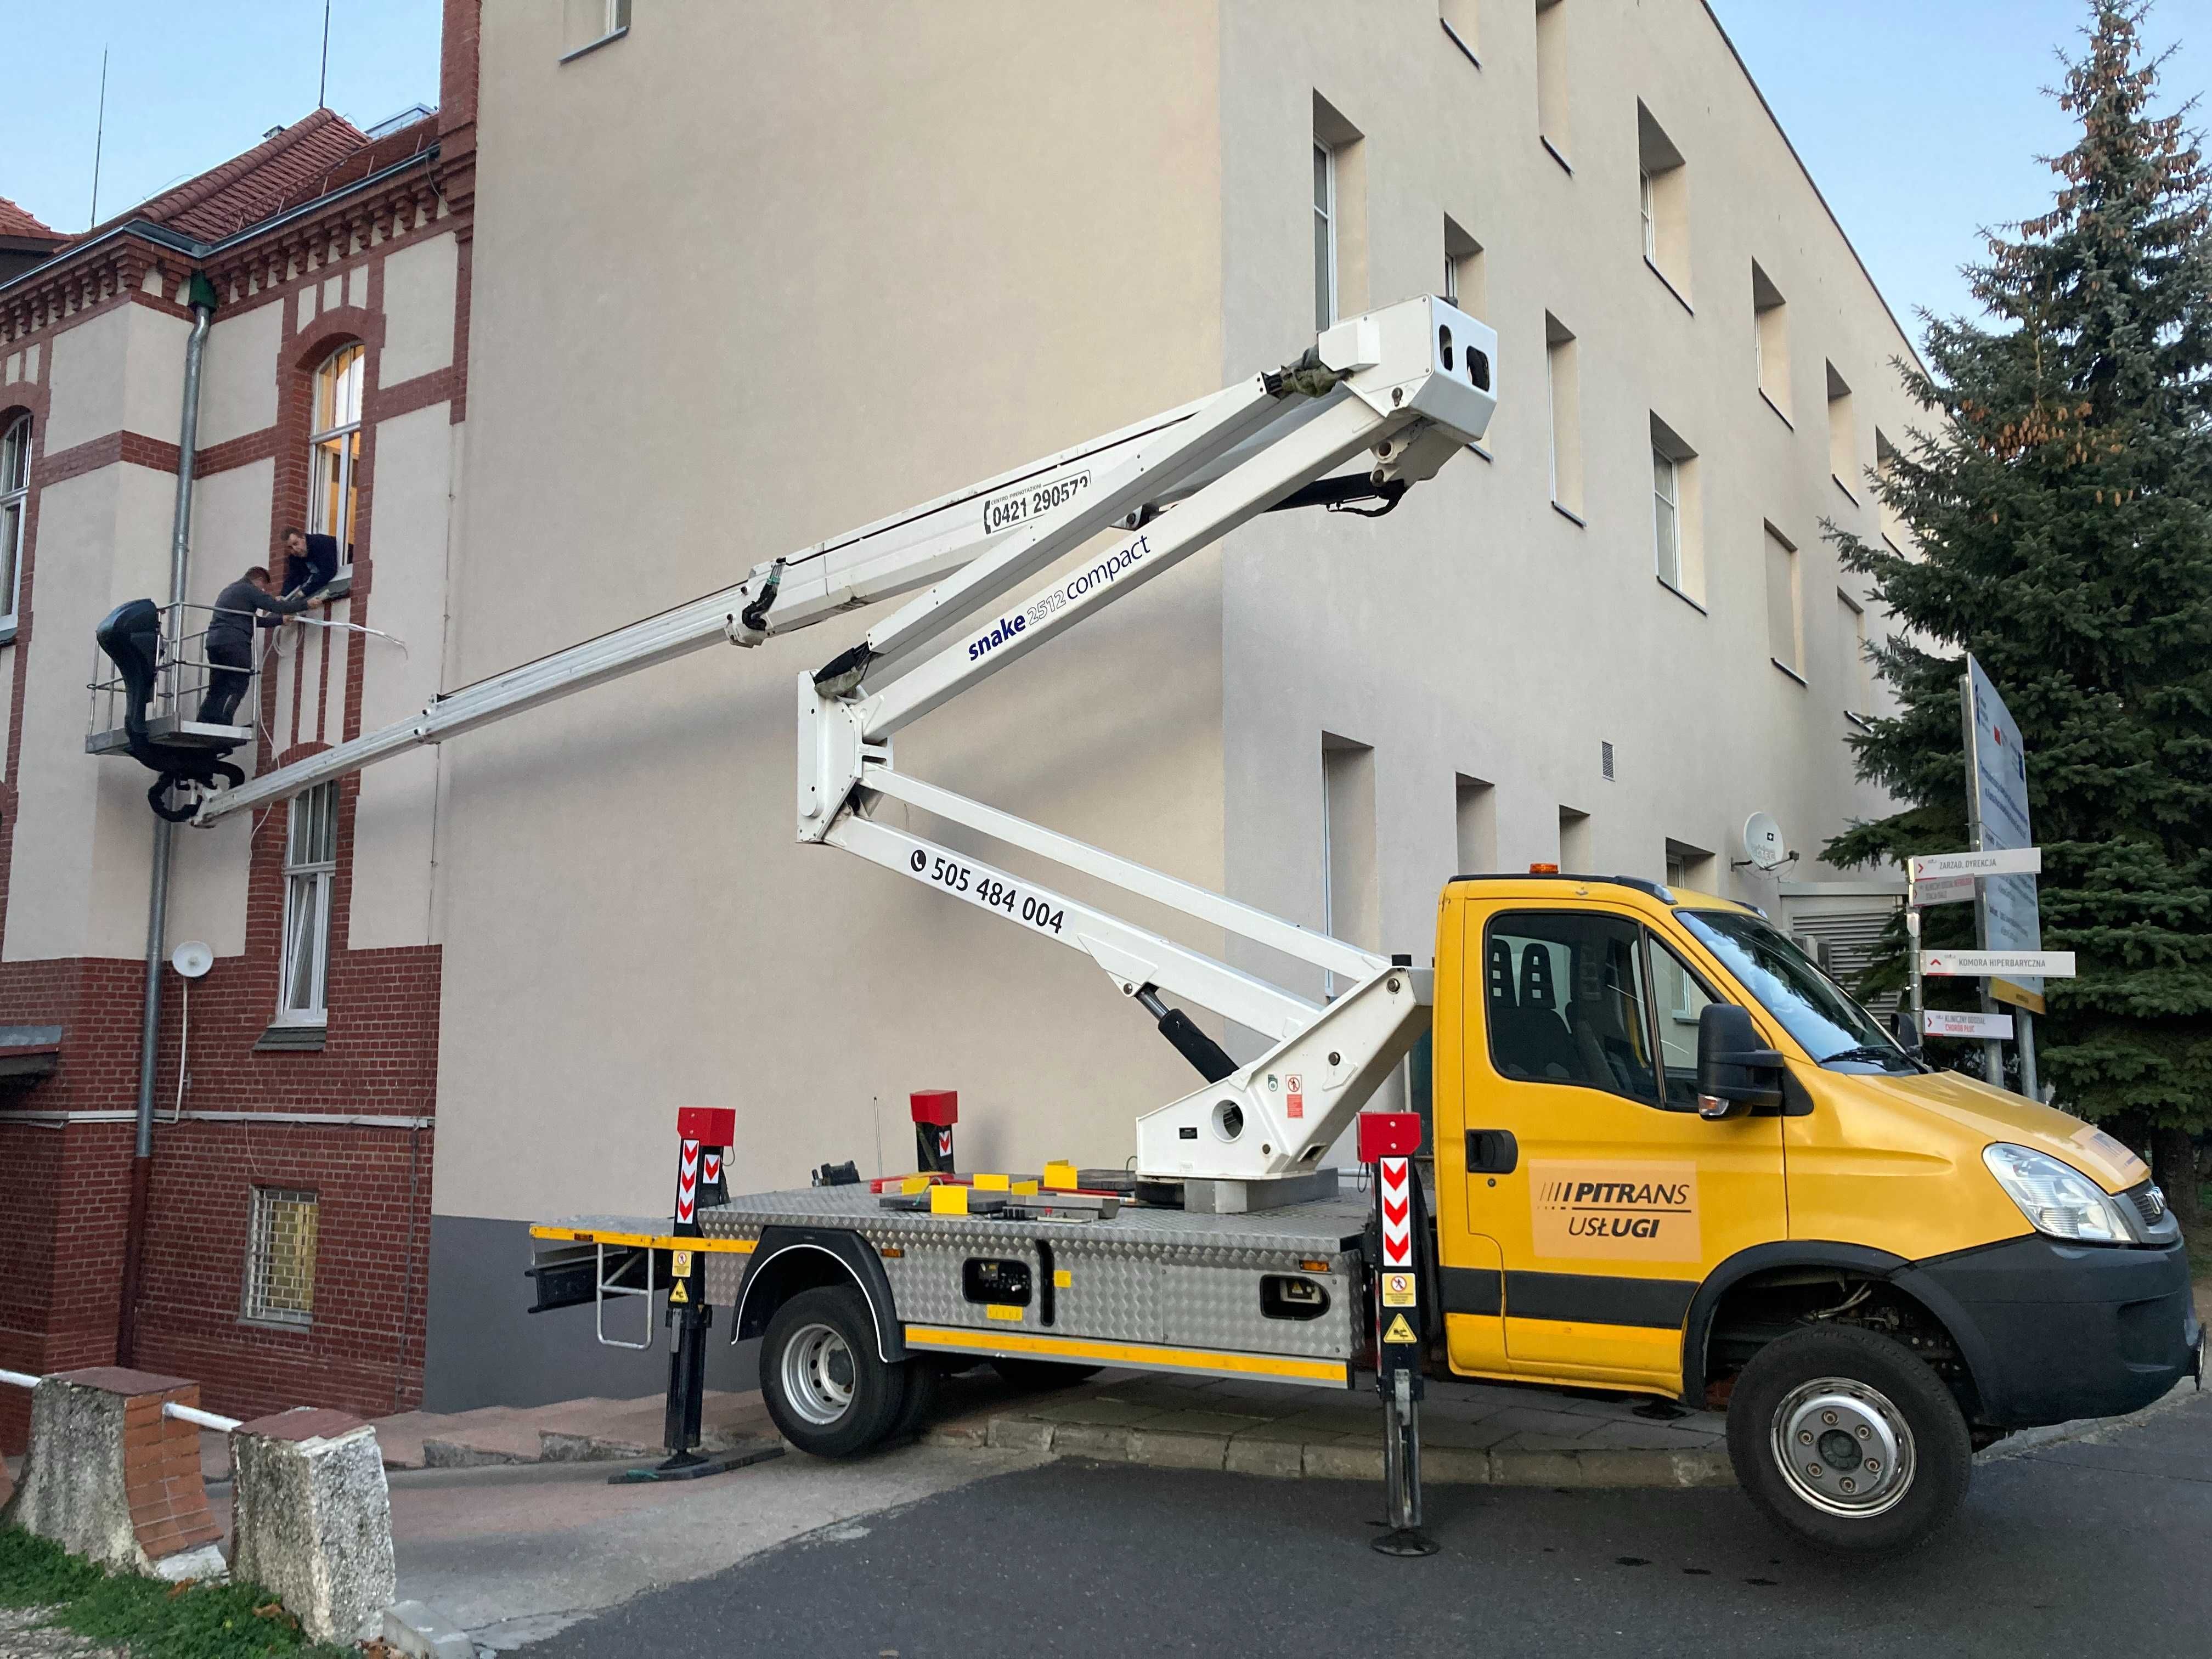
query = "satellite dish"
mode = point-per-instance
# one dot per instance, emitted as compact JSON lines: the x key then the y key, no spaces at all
{"x":1764,"y":843}
{"x":191,"y":958}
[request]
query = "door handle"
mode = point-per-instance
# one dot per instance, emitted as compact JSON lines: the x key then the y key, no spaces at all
{"x":1491,"y":1152}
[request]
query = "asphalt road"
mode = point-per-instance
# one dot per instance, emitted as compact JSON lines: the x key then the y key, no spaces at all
{"x":2092,"y":1546}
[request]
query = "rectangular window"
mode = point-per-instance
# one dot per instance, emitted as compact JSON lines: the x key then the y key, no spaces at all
{"x":1351,"y":890}
{"x":1851,"y":654}
{"x":1843,"y":440}
{"x":1474,"y":803}
{"x":1564,"y":1002}
{"x":1688,"y":866}
{"x":280,"y":1265}
{"x":1785,"y":628}
{"x":311,"y":862}
{"x":1575,"y":840}
{"x":1552,"y":79}
{"x":1885,"y":466}
{"x":1663,"y":199}
{"x":1465,"y":284}
{"x":1562,"y":382}
{"x":1770,"y":316}
{"x":586,"y":23}
{"x":1339,"y":216}
{"x":15,"y":509}
{"x":1324,"y":231}
{"x":1460,"y":22}
{"x":1677,"y":516}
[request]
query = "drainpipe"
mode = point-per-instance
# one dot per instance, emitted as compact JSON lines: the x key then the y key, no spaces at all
{"x":203,"y":300}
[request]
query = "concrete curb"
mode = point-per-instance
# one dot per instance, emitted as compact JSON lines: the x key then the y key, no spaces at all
{"x":419,"y":1630}
{"x":1336,"y":1459}
{"x":2023,"y":1440}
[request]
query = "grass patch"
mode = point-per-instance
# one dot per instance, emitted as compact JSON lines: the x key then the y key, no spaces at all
{"x":155,"y":1621}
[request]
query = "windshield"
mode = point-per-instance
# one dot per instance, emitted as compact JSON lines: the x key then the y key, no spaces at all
{"x":1812,"y":1007}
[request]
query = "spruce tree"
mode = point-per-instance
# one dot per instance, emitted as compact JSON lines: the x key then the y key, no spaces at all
{"x":2058,"y":505}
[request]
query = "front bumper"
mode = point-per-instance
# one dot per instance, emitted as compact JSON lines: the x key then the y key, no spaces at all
{"x":2053,"y":1332}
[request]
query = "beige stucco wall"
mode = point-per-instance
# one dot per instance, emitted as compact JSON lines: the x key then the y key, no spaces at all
{"x":418,"y":309}
{"x":826,"y":271}
{"x":393,"y":849}
{"x":82,"y":832}
{"x":124,"y":371}
{"x":1476,"y":630}
{"x":238,"y":373}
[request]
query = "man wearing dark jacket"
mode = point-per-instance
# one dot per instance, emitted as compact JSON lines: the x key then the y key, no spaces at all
{"x":229,"y":640}
{"x":310,"y":562}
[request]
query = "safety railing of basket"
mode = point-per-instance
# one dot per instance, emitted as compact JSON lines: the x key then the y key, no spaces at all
{"x":182,"y":679}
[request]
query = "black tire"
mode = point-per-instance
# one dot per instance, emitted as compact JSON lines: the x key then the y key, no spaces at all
{"x":825,"y":1388}
{"x":1040,"y":1373}
{"x":924,"y":1385}
{"x":1862,"y":1396}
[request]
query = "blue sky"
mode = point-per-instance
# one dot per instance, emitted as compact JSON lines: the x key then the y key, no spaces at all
{"x":1919,"y":118}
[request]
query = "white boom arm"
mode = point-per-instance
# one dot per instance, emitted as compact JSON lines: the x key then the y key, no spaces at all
{"x":1411,"y":385}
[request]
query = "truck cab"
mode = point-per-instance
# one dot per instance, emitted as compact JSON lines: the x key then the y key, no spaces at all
{"x":1673,"y":1156}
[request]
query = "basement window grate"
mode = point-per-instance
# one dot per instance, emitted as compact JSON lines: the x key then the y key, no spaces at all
{"x":280,"y":1269}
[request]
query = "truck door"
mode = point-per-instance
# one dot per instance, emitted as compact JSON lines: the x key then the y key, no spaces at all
{"x":1608,"y":1195}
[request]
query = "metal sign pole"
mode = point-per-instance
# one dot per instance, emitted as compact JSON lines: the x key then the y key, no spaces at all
{"x":1912,"y":950}
{"x":1992,"y":1049}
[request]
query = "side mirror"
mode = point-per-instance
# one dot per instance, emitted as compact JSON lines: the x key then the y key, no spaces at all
{"x":1735,"y":1072}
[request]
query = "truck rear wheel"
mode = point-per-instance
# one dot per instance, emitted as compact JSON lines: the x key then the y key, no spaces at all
{"x":1848,"y":1441}
{"x":825,"y":1388}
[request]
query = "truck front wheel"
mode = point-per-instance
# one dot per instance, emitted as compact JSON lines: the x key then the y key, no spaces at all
{"x":1848,"y":1441}
{"x":827,"y":1391}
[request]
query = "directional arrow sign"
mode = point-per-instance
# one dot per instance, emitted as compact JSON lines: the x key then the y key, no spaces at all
{"x":2004,"y":861}
{"x":1970,"y":965}
{"x":1942,"y":890}
{"x":1952,"y":1022}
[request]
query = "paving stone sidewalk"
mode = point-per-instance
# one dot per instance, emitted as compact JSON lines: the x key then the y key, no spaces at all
{"x":1471,"y":1433}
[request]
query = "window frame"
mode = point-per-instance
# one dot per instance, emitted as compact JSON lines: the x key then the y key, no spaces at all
{"x":1653,"y":939}
{"x":349,"y":452}
{"x":14,"y":440}
{"x":311,"y":879}
{"x":1640,"y":934}
{"x":1325,"y":235}
{"x":1643,"y":207}
{"x":1671,"y":505}
{"x":254,"y":1307}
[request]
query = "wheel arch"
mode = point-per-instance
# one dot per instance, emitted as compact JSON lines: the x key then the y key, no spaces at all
{"x":789,"y":1259}
{"x":1746,"y":1266}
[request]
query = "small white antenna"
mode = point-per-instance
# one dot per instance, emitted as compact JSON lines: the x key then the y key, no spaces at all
{"x":322,"y":86}
{"x":1764,"y":844}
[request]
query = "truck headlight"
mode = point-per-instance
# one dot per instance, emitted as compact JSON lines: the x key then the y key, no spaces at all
{"x":2057,"y":1198}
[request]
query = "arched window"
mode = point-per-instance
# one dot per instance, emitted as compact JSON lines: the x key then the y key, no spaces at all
{"x":334,"y":449}
{"x":15,"y":507}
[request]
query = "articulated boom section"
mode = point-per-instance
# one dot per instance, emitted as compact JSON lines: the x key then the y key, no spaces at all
{"x":1409,"y":384}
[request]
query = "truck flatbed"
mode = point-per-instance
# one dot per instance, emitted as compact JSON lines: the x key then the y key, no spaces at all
{"x":1273,"y":1294}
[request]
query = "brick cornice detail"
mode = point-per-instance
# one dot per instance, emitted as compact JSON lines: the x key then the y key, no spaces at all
{"x":136,"y":447}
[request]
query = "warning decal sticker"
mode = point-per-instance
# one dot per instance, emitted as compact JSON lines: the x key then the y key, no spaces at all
{"x":1621,"y":1210}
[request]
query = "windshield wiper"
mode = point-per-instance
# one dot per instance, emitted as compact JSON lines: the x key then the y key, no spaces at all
{"x":1879,"y":1054}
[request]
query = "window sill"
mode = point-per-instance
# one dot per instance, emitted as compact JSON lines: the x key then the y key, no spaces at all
{"x":590,"y":46}
{"x":1476,"y":449}
{"x":1570,"y":516}
{"x":1454,"y":37}
{"x":1666,"y":282}
{"x":1847,"y":495}
{"x":1553,"y":150}
{"x":1788,"y":670}
{"x":1859,"y":720}
{"x":1680,"y":595}
{"x":282,"y":1038}
{"x":1776,"y":408}
{"x":338,"y":588}
{"x":292,"y":1327}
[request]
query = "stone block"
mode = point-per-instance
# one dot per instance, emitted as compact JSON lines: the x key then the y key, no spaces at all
{"x":1254,"y":1454}
{"x":314,"y":1519}
{"x":109,"y":1478}
{"x":1343,"y":1460}
{"x":419,"y":1630}
{"x":1454,"y":1465}
{"x":1028,"y":1434}
{"x":1178,"y":1449}
{"x":1109,"y":1443}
